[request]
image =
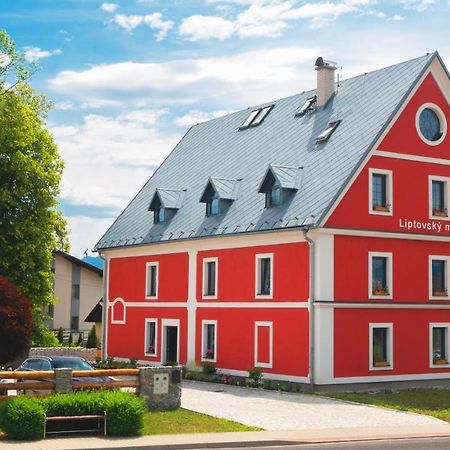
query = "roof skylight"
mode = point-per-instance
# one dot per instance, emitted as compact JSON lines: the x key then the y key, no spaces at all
{"x":307,"y":106}
{"x":329,"y":130}
{"x":256,"y":117}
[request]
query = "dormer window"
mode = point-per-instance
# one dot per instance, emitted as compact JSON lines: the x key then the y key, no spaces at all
{"x":218,"y":195}
{"x":256,"y":117}
{"x":165,"y":203}
{"x":279,"y":183}
{"x":308,"y":106}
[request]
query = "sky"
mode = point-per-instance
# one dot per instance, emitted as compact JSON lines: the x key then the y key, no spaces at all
{"x":127,"y":78}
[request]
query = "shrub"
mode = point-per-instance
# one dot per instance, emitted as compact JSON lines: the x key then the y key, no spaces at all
{"x":23,"y":419}
{"x":254,"y":377}
{"x":60,"y":335}
{"x":92,"y":338}
{"x":70,"y":343}
{"x":209,"y":368}
{"x":16,"y":321}
{"x":80,"y":340}
{"x":44,"y":337}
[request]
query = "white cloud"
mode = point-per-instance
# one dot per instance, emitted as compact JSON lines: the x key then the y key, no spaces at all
{"x":109,"y":7}
{"x":230,"y":81}
{"x":195,"y":116}
{"x":397,"y":17}
{"x":417,"y":5}
{"x":143,"y":116}
{"x":64,"y":131}
{"x":33,"y":54}
{"x":64,"y":106}
{"x":198,"y":27}
{"x":268,"y":18}
{"x":154,"y":21}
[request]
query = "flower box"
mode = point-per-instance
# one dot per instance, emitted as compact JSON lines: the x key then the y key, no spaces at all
{"x":380,"y":292}
{"x":382,"y":208}
{"x":440,"y":362}
{"x":440,"y":213}
{"x":381,"y":364}
{"x":440,"y":294}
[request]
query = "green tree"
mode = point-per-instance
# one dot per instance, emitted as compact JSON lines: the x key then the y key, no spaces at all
{"x":60,"y":335}
{"x":70,"y":342}
{"x":80,"y":340}
{"x":92,"y":338}
{"x":31,"y":226}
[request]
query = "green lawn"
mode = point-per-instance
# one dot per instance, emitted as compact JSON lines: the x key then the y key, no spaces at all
{"x":184,"y":421}
{"x":433,"y":402}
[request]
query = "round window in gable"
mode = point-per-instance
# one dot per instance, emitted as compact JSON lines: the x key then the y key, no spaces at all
{"x":431,"y":124}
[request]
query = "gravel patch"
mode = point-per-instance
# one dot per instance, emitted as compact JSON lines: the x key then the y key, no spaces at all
{"x":271,"y":410}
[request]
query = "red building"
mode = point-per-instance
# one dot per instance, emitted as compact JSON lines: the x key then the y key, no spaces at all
{"x":309,"y":236}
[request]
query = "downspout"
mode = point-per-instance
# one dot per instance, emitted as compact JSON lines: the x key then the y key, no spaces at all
{"x":312,"y":259}
{"x":105,"y":307}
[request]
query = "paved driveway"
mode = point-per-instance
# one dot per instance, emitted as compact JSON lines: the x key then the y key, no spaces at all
{"x":272,"y":410}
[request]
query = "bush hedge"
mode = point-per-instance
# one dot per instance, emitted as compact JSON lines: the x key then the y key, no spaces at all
{"x":23,"y":417}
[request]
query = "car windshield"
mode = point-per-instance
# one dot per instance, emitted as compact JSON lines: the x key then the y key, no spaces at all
{"x":75,"y":364}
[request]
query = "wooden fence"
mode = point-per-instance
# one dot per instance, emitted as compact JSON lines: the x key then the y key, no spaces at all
{"x":45,"y":380}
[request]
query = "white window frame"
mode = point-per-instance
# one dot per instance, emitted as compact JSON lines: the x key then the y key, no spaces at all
{"x":258,"y":258}
{"x":439,"y":325}
{"x":389,"y":279}
{"x":147,"y":270}
{"x":147,"y":353}
{"x":432,"y":258}
{"x":266,"y":365}
{"x":113,"y":305}
{"x":389,"y":191}
{"x":205,"y":278}
{"x":169,"y":323}
{"x":438,"y":111}
{"x":204,"y":340}
{"x":446,"y":180}
{"x":390,"y":345}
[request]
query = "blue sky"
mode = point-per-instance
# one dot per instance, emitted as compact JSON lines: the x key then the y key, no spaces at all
{"x":127,"y":78}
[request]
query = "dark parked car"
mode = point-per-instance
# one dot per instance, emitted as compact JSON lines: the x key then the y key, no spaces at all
{"x":59,"y":362}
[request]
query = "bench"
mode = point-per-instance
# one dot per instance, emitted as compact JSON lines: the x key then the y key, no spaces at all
{"x":89,"y":423}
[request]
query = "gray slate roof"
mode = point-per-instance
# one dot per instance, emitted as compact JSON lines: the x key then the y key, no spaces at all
{"x":217,"y":149}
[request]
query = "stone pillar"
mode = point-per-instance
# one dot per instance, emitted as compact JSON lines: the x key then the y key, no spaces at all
{"x":63,"y":381}
{"x":160,"y":387}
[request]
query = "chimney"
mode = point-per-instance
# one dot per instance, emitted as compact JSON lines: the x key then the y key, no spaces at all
{"x":325,"y":80}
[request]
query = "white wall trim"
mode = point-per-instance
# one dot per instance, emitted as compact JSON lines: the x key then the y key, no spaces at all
{"x":249,"y":304}
{"x":443,"y":122}
{"x":266,"y":375}
{"x":370,"y":305}
{"x":389,"y":191}
{"x":169,"y":323}
{"x":409,"y":157}
{"x":389,"y":278}
{"x":432,"y":258}
{"x":389,"y":378}
{"x":148,"y":267}
{"x":390,"y":345}
{"x":203,"y":347}
{"x":112,"y":305}
{"x":445,"y":180}
{"x":258,"y":258}
{"x":205,"y":278}
{"x":432,"y":364}
{"x":267,"y":365}
{"x":385,"y":234}
{"x":146,"y":352}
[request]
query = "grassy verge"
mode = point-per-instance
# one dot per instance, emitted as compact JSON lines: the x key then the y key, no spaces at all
{"x":432,"y":402}
{"x":182,"y":421}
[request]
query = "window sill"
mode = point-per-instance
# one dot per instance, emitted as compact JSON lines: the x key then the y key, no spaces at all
{"x":151,"y":355}
{"x":381,"y":366}
{"x":211,"y":360}
{"x":151,"y":298}
{"x":209,"y":297}
{"x":263,"y":297}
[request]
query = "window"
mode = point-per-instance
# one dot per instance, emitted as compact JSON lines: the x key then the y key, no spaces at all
{"x":264,"y":344}
{"x":273,"y":197}
{"x":256,"y":117}
{"x":380,"y":346}
{"x":380,"y":192}
{"x":307,"y":106}
{"x":151,"y":337}
{"x":264,"y":276}
{"x":209,"y":340}
{"x":438,"y":277}
{"x":210,"y":278}
{"x":329,"y":130}
{"x":159,"y":215}
{"x":431,"y":124}
{"x":438,"y":192}
{"x":151,"y":289}
{"x":212,"y":206}
{"x":439,"y":344}
{"x":380,"y":275}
